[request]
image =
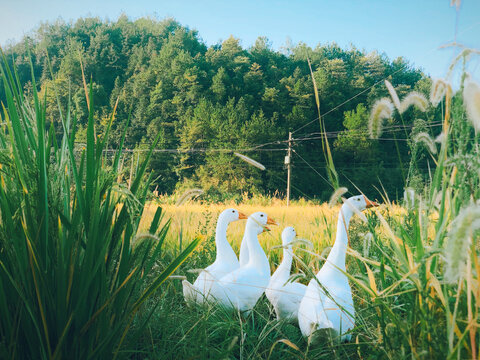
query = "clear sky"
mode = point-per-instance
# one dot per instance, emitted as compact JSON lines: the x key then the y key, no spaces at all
{"x":414,"y":29}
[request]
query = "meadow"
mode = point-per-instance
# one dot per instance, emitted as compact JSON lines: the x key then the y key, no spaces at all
{"x":90,"y":264}
{"x":213,"y":332}
{"x":262,"y":335}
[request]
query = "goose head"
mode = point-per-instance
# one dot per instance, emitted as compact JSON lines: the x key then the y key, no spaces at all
{"x":230,"y":215}
{"x":259,"y":222}
{"x":288,"y":235}
{"x":358,"y":202}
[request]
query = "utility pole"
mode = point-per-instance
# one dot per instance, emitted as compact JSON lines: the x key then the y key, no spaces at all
{"x":288,"y":162}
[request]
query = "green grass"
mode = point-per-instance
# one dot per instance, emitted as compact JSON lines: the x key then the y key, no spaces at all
{"x":74,"y":271}
{"x":80,"y":278}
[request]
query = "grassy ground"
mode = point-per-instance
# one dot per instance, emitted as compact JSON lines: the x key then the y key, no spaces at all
{"x":177,"y":331}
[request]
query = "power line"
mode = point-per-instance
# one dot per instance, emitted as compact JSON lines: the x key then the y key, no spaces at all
{"x":386,"y":129}
{"x":181,"y":151}
{"x":375,"y":84}
{"x":306,"y":162}
{"x":351,"y":98}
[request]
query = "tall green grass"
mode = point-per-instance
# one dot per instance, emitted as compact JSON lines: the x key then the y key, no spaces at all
{"x":74,"y":271}
{"x":422,"y":278}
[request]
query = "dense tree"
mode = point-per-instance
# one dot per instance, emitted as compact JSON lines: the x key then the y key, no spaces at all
{"x":207,"y":102}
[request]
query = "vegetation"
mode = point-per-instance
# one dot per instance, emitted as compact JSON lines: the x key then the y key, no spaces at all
{"x":80,"y":265}
{"x":74,"y":270}
{"x":208,"y":101}
{"x":414,"y":269}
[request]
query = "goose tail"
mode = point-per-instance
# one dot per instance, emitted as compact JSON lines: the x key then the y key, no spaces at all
{"x":189,"y":292}
{"x":324,"y":324}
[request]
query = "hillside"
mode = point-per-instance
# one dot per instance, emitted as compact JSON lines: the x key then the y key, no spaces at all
{"x":207,"y":101}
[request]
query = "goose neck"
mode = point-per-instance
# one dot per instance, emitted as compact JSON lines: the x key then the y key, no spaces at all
{"x":287,"y":258}
{"x":338,"y":253}
{"x":256,"y":255}
{"x":224,"y":250}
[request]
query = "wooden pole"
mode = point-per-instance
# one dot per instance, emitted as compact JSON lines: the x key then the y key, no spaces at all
{"x":288,"y":162}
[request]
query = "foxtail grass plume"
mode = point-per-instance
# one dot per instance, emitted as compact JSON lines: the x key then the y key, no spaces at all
{"x":337,"y":194}
{"x":409,"y":197}
{"x":459,"y":241}
{"x":393,"y":94}
{"x":440,"y":138}
{"x":471,"y":99}
{"x":250,"y":161}
{"x":464,"y":56}
{"x":187,"y":195}
{"x":367,"y":242}
{"x":455,"y":3}
{"x":416,"y":99}
{"x":425,"y":139}
{"x":438,"y":91}
{"x":382,"y":109}
{"x":437,"y":199}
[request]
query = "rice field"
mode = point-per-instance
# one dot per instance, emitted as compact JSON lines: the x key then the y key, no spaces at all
{"x":313,"y":222}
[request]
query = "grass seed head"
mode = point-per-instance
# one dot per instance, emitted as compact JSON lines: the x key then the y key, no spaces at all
{"x":337,"y":194}
{"x":409,"y":197}
{"x":393,"y":94}
{"x":367,"y":242}
{"x":425,"y":139}
{"x":440,"y":138}
{"x":471,"y":99}
{"x":455,"y":3}
{"x":414,"y":98}
{"x":250,"y":161}
{"x":437,"y":92}
{"x":187,"y":195}
{"x":382,"y":109}
{"x":459,"y":241}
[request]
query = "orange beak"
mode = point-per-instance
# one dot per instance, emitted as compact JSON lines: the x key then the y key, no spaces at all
{"x":270,"y":221}
{"x":370,"y":203}
{"x":242,"y":216}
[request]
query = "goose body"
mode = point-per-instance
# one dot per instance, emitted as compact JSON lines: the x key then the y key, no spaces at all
{"x":243,"y":255}
{"x":333,"y":308}
{"x":225,"y":262}
{"x":285,"y":296}
{"x":242,"y":288}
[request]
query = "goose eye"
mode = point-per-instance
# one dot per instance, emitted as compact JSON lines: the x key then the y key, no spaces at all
{"x":233,"y":211}
{"x":261,"y":215}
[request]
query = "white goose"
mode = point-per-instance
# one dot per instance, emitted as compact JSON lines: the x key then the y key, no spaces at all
{"x":243,"y":255}
{"x":225,"y":262}
{"x":285,"y":297}
{"x":318,"y":310}
{"x":242,"y":288}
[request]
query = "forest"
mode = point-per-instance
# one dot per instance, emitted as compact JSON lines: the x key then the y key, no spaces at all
{"x":207,"y":102}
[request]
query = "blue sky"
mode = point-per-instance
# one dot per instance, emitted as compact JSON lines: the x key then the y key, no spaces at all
{"x":409,"y":28}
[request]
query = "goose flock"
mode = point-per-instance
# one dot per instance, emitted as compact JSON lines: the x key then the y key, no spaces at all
{"x":238,"y":283}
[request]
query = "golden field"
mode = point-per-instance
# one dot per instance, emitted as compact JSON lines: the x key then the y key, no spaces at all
{"x":313,"y":222}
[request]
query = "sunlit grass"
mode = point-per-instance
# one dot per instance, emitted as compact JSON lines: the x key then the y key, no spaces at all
{"x":313,"y":222}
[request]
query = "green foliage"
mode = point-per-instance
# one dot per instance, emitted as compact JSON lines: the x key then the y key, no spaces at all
{"x":219,"y":97}
{"x":423,"y":265}
{"x":74,"y":271}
